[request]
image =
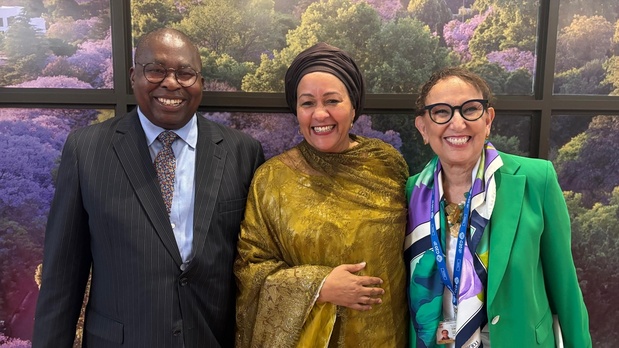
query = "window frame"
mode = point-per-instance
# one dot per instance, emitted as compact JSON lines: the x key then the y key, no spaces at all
{"x":542,"y":104}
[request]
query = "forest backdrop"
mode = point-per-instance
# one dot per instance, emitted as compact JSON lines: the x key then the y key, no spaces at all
{"x":246,"y":45}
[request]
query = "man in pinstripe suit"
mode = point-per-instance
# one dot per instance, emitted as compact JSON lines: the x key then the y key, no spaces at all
{"x":159,"y":279}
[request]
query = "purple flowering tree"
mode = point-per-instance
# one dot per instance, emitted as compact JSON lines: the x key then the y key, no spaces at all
{"x":8,"y":342}
{"x":458,"y":34}
{"x":91,"y":63}
{"x":280,"y":132}
{"x":513,"y":59}
{"x":31,"y":142}
{"x":76,"y":31}
{"x":54,"y":82}
{"x":387,"y":9}
{"x":26,"y":188}
{"x":363,"y":127}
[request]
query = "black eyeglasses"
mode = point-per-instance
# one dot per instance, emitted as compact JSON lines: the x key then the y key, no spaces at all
{"x":471,"y":110}
{"x":155,"y":73}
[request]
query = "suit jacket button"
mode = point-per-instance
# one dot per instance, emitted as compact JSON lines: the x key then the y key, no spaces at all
{"x":183,"y":281}
{"x":496,"y":319}
{"x":176,"y":332}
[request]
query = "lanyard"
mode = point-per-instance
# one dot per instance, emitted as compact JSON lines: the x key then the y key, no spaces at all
{"x":440,"y":256}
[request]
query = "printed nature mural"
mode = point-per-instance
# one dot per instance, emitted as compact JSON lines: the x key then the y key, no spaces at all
{"x":398,"y":44}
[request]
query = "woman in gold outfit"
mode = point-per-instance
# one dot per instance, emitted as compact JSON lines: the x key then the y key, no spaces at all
{"x":320,"y":252}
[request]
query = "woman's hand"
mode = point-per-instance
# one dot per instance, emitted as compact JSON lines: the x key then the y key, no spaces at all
{"x":343,"y":288}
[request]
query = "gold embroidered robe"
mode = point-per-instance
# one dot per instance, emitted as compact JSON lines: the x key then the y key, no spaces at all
{"x":308,"y":212}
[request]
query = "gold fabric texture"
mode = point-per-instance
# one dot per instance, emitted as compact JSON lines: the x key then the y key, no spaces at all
{"x":308,"y":212}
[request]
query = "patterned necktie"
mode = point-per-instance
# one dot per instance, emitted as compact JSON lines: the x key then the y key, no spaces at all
{"x":165,"y":164}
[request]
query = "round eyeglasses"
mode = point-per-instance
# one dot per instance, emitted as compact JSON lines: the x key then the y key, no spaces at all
{"x":470,"y":110}
{"x":155,"y":73}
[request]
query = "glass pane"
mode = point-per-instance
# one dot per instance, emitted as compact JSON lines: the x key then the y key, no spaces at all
{"x":587,"y":60}
{"x":57,"y":44}
{"x":279,"y":132}
{"x":247,"y":46}
{"x":511,"y":133}
{"x":583,"y":148}
{"x":32,"y":142}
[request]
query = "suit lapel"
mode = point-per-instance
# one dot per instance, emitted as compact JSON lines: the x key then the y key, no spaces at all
{"x":210,"y":160}
{"x":504,"y":222}
{"x":130,"y":146}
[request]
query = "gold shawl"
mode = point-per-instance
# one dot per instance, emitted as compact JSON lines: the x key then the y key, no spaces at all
{"x":308,"y":212}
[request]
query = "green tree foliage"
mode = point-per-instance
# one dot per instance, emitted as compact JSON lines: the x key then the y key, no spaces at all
{"x":57,"y":9}
{"x":507,"y":144}
{"x":212,"y":24}
{"x":269,"y":76}
{"x":241,"y":29}
{"x":511,"y":124}
{"x":224,"y":69}
{"x":512,"y":23}
{"x":34,"y":8}
{"x":147,"y":15}
{"x":584,"y":40}
{"x":494,"y":74}
{"x":337,"y":22}
{"x":260,"y":27}
{"x":403,"y":56}
{"x":565,"y":127}
{"x":341,"y":23}
{"x":26,"y":51}
{"x":588,"y":164}
{"x":588,"y":79}
{"x":612,"y":74}
{"x":395,"y":56}
{"x":502,"y":82}
{"x":519,"y":82}
{"x":612,"y":65}
{"x":595,"y":248}
{"x":414,"y":151}
{"x":609,"y":9}
{"x":434,"y":13}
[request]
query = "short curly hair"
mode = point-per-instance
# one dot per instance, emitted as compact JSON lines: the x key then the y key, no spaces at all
{"x":465,"y":75}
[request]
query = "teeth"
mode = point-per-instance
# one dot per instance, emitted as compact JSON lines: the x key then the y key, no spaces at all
{"x":458,"y":140}
{"x":169,"y":101}
{"x":323,"y":129}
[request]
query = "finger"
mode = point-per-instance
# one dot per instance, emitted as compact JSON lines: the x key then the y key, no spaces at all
{"x":360,"y":307}
{"x":353,"y":268}
{"x":367,"y":300}
{"x":370,"y":281}
{"x":374,"y":292}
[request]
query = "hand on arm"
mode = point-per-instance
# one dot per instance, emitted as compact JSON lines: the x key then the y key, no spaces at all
{"x":344,"y":288}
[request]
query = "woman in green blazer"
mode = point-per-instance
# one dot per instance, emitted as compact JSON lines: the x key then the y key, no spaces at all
{"x":494,"y":264}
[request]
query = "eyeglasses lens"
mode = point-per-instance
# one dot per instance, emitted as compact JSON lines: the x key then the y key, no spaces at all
{"x":156,"y":73}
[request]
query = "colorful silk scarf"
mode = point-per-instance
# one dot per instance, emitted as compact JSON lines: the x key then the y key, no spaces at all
{"x":425,"y":288}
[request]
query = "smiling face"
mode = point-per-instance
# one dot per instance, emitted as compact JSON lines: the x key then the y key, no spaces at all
{"x":167,"y":104}
{"x":458,"y":143}
{"x":324,"y":112}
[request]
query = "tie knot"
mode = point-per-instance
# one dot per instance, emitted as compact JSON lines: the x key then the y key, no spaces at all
{"x":167,"y":137}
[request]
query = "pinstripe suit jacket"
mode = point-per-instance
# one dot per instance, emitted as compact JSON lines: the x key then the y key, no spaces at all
{"x":108,"y":213}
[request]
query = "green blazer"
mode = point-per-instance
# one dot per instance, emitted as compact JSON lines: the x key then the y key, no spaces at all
{"x":531,"y":273}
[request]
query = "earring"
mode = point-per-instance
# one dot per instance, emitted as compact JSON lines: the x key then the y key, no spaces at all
{"x":425,"y":141}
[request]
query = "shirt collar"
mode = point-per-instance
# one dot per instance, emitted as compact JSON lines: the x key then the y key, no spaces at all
{"x":189,"y":132}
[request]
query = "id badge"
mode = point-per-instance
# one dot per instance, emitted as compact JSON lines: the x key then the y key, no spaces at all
{"x":446,"y":332}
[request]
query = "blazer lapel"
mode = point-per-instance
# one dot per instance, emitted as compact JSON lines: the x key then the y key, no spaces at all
{"x":210,"y":161}
{"x":504,"y":222}
{"x":132,"y":151}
